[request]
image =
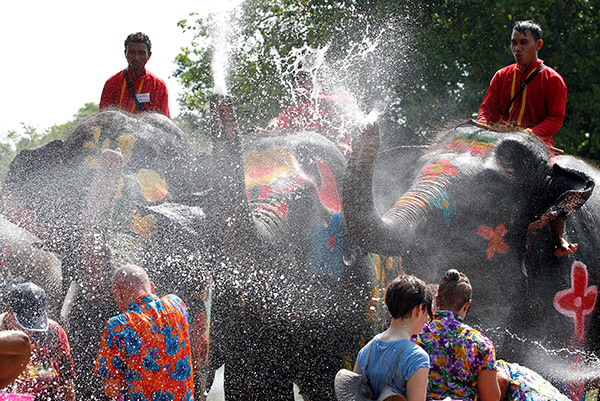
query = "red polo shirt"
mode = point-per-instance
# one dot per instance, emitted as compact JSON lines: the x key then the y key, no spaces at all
{"x":540,"y":106}
{"x":150,"y":90}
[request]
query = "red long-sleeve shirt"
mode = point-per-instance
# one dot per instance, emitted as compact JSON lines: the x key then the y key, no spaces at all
{"x":150,"y":90}
{"x":540,"y":106}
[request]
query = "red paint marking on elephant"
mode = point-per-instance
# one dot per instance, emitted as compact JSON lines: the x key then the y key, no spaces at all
{"x":576,"y":388}
{"x":496,"y":243}
{"x":328,"y":194}
{"x":579,"y":300}
{"x":442,"y":167}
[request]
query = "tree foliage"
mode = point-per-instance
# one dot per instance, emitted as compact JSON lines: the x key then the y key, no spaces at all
{"x":421,"y":64}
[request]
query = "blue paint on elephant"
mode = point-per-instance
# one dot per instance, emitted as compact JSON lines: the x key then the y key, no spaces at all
{"x":325,"y":255}
{"x":448,"y":207}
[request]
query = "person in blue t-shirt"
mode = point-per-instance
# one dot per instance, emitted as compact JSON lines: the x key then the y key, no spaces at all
{"x":391,"y":358}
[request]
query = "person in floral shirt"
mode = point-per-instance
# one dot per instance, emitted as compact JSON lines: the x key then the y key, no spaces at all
{"x":145,"y":352}
{"x":462,"y":358}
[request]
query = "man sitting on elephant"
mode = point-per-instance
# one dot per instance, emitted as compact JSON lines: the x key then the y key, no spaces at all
{"x":515,"y":98}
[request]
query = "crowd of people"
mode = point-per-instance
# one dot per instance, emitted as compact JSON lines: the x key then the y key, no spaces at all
{"x":145,"y":351}
{"x":436,"y":356}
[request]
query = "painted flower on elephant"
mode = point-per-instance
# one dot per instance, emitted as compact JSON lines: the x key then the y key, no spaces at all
{"x":496,"y":243}
{"x":431,"y":171}
{"x":578,"y":301}
{"x":443,"y":202}
{"x":325,"y":257}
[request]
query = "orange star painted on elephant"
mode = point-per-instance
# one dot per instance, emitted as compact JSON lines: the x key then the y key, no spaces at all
{"x":496,"y":243}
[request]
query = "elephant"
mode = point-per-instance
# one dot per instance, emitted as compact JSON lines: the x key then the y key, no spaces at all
{"x":22,"y":259}
{"x":251,"y":237}
{"x":49,"y":194}
{"x":479,"y":201}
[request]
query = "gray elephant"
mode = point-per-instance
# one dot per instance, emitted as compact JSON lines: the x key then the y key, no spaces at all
{"x":480,"y":201}
{"x":252,"y":240}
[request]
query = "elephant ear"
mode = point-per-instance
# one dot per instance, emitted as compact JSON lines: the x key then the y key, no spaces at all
{"x":568,"y":190}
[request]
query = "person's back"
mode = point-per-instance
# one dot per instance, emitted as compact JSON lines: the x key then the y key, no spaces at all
{"x":390,"y":363}
{"x":145,"y":351}
{"x":462,"y":359}
{"x":391,"y":359}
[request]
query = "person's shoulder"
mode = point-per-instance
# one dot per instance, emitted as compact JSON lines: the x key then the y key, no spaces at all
{"x":120,"y":75}
{"x":478,"y":337}
{"x":552,"y":74}
{"x":155,"y":77}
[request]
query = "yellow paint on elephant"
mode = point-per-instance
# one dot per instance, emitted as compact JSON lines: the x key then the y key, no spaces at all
{"x":411,"y":199}
{"x":152,"y":186}
{"x":371,"y":312}
{"x":91,"y":162}
{"x":97,"y":132}
{"x":105,"y":144}
{"x":126,"y":143}
{"x":88,"y":145}
{"x":377,"y":267}
{"x":144,"y":226}
{"x":265,"y":167}
{"x":348,"y":361}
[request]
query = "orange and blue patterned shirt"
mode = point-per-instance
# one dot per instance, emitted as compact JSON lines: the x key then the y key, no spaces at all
{"x":148,"y":347}
{"x":457,"y":352}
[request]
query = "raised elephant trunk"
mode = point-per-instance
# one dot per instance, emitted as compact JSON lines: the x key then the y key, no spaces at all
{"x":231,"y":210}
{"x":96,"y":274}
{"x":391,"y":232}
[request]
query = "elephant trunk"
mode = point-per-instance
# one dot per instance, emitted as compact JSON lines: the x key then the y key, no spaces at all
{"x":96,"y":269}
{"x":231,"y":209}
{"x":387,"y":234}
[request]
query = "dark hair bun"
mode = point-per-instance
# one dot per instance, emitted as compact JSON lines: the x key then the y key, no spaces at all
{"x":451,"y":275}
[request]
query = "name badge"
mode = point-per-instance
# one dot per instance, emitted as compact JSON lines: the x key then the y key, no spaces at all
{"x":143,"y":97}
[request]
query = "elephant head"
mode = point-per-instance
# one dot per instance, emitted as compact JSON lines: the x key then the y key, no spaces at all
{"x":476,"y":205}
{"x":47,"y":190}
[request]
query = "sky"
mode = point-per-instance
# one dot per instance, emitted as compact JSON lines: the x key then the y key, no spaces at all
{"x":57,"y":55}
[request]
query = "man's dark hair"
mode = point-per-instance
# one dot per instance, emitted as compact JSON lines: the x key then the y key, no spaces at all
{"x":139,"y":37}
{"x":533,"y":27}
{"x":406,"y":292}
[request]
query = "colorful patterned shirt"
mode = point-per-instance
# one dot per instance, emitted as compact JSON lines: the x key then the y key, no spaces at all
{"x":50,"y":368}
{"x":457,"y":353}
{"x":148,"y":347}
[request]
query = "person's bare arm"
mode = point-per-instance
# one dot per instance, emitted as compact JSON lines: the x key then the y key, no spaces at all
{"x":15,"y":350}
{"x":416,"y":386}
{"x":487,"y":385}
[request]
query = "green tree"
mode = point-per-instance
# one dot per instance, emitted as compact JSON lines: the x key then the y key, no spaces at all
{"x":422,"y":64}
